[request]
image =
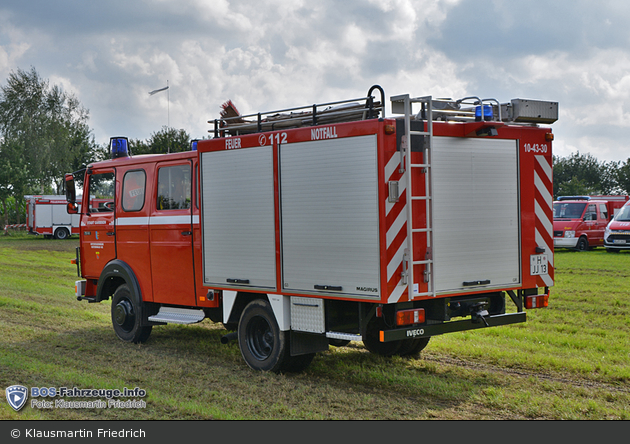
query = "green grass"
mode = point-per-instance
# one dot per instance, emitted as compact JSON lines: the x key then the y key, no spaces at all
{"x":569,"y":361}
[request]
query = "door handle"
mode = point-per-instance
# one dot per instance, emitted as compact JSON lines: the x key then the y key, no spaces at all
{"x":111,"y":233}
{"x":186,"y":233}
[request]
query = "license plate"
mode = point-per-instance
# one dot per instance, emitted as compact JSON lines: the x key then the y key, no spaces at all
{"x":619,"y":241}
{"x":538,"y":264}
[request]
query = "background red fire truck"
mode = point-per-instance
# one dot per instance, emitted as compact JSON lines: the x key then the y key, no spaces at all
{"x":326,"y":224}
{"x":47,"y":215}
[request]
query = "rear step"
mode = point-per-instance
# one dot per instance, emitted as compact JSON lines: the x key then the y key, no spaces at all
{"x":178,"y":315}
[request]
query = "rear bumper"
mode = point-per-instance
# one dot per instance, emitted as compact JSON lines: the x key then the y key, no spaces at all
{"x":450,"y":327}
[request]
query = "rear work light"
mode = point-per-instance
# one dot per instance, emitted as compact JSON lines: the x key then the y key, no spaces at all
{"x":537,"y":301}
{"x":408,"y":317}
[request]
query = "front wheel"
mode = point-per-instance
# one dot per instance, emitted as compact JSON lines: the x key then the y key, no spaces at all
{"x":126,"y":317}
{"x":263,"y":345}
{"x":582,"y":244}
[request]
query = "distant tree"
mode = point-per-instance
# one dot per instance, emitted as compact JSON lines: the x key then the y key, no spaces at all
{"x":580,"y":174}
{"x":623,"y":176}
{"x":49,"y":125}
{"x":167,"y":140}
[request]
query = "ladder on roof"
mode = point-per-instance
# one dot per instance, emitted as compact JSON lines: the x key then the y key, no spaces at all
{"x":414,"y":172}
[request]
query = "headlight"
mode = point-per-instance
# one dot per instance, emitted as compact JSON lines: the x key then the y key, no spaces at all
{"x":569,"y":234}
{"x":606,"y":233}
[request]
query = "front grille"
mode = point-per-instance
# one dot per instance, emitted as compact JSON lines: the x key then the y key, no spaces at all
{"x":558,"y":234}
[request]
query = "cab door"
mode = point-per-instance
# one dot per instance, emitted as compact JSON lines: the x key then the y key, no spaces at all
{"x":170,"y":227}
{"x":98,"y":234}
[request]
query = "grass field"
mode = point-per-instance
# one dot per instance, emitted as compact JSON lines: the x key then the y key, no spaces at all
{"x":569,"y":361}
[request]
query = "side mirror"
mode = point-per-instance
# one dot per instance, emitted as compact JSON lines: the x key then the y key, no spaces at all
{"x":71,"y":192}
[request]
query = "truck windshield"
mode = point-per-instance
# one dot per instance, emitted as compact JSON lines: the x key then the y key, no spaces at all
{"x":566,"y":210}
{"x":623,"y":214}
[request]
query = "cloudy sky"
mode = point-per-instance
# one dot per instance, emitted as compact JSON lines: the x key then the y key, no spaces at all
{"x":273,"y":54}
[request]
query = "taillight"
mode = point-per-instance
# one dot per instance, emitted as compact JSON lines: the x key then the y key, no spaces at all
{"x":537,"y":301}
{"x":408,"y":317}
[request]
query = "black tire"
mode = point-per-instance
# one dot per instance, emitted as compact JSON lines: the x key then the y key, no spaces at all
{"x":62,"y":233}
{"x":263,"y":345}
{"x":582,"y":244}
{"x":411,"y":347}
{"x":372,"y":341}
{"x":127,"y":317}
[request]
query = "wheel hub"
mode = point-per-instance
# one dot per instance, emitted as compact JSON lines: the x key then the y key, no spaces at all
{"x":123,"y":314}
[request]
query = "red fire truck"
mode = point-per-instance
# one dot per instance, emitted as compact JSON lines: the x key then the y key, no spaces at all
{"x":326,"y":224}
{"x":47,"y":215}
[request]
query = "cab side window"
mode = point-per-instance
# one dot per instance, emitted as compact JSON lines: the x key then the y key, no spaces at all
{"x":603,"y":211}
{"x":133,"y":190}
{"x":102,"y":192}
{"x":591,"y":213}
{"x":174,"y":188}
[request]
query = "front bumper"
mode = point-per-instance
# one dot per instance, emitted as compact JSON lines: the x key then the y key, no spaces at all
{"x":565,"y":242}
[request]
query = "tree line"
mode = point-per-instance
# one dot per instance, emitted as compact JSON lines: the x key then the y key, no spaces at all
{"x":582,"y":174}
{"x":44,"y":133}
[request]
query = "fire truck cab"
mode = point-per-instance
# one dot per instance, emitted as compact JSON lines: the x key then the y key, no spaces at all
{"x":326,"y":224}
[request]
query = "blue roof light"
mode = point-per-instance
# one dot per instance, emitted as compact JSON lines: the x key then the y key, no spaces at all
{"x":487,"y":113}
{"x":119,"y":147}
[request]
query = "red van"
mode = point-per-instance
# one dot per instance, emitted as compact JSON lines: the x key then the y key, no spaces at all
{"x":579,"y":222}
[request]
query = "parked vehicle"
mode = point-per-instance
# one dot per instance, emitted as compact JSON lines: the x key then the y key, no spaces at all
{"x":617,"y":234}
{"x":579,"y":222}
{"x":46,"y":215}
{"x":331,"y":223}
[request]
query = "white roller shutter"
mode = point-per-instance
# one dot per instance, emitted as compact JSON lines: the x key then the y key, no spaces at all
{"x":475,"y":213}
{"x":329,"y":216}
{"x":238,"y":218}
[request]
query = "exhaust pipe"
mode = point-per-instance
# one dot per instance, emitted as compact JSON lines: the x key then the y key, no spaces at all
{"x":229,"y":337}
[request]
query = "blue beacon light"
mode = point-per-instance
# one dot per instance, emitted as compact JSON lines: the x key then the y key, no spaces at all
{"x":119,"y":147}
{"x":487,"y":113}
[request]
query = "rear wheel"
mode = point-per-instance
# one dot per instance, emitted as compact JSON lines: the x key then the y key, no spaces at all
{"x":263,"y":345}
{"x":62,"y":233}
{"x":372,"y":342}
{"x":126,"y":317}
{"x":411,"y":347}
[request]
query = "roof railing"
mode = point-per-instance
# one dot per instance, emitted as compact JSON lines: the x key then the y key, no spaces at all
{"x":303,"y":116}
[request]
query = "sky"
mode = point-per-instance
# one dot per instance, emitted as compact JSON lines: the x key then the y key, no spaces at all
{"x":275,"y":54}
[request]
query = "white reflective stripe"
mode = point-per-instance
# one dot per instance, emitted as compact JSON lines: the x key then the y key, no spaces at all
{"x":397,"y":293}
{"x":541,"y":242}
{"x":169,"y":220}
{"x":548,"y":198}
{"x":396,"y":261}
{"x":132,"y":221}
{"x":547,"y":280}
{"x":156,"y":220}
{"x":544,"y":220}
{"x":544,"y":163}
{"x":396,"y":227}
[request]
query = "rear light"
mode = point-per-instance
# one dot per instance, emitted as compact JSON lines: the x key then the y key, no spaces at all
{"x":537,"y":301}
{"x":408,"y":317}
